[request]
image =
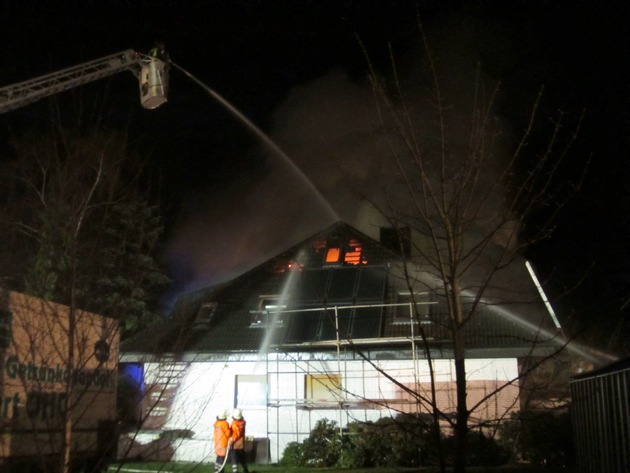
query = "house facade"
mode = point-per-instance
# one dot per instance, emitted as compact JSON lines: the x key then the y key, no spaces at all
{"x":337,"y":327}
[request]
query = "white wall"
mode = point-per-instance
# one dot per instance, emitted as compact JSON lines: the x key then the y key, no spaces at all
{"x":208,"y":387}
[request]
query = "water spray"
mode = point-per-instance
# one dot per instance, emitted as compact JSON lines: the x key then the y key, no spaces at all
{"x":556,"y":336}
{"x":274,"y":314}
{"x":268,"y":141}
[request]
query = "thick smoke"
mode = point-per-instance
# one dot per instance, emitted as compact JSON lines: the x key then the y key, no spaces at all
{"x":331,"y":129}
{"x":340,"y":132}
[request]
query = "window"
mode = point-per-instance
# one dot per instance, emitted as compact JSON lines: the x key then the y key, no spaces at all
{"x":266,"y":319}
{"x":372,"y":284}
{"x":397,"y":240}
{"x":348,"y":253}
{"x":269,"y":311}
{"x":333,"y":253}
{"x":367,"y":322}
{"x":205,"y":315}
{"x":352,"y":255}
{"x":251,"y":390}
{"x":340,"y":287}
{"x":323,"y":388}
{"x":311,"y":286}
{"x":304,"y":326}
{"x":405,"y":314}
{"x":271,"y":303}
{"x":342,"y":284}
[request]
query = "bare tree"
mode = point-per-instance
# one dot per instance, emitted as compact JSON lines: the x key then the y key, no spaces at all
{"x":476,"y":201}
{"x":76,"y":208}
{"x":78,"y":216}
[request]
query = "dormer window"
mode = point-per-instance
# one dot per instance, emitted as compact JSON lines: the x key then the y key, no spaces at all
{"x":269,"y":311}
{"x":205,"y":315}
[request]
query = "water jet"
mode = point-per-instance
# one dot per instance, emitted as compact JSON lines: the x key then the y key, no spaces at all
{"x":266,"y":140}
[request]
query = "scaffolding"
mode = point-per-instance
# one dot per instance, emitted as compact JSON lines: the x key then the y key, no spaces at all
{"x":343,"y":379}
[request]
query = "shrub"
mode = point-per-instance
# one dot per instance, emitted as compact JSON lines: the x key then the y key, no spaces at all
{"x":292,"y":455}
{"x":402,"y":441}
{"x":321,"y":449}
{"x":481,"y":450}
{"x":510,"y":437}
{"x":542,"y":438}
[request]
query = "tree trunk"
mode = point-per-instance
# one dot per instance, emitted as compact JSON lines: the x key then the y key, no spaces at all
{"x":461,"y":425}
{"x":66,"y":436}
{"x":459,"y":355}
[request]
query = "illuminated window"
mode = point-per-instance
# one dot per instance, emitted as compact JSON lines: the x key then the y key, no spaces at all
{"x":323,"y":388}
{"x":353,"y":253}
{"x":332,"y":254}
{"x":251,"y":390}
{"x":349,"y":252}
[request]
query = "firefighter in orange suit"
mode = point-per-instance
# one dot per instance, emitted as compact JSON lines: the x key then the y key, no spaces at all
{"x":238,"y":441}
{"x":222,"y":434}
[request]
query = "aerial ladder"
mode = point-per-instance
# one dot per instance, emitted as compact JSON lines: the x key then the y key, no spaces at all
{"x":152,"y":74}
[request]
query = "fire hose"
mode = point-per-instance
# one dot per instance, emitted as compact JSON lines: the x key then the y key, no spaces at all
{"x":225,"y":459}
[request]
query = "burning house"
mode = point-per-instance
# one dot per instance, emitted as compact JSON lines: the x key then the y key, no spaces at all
{"x":334,"y":328}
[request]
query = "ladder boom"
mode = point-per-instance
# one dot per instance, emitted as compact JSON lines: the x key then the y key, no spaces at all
{"x":29,"y":91}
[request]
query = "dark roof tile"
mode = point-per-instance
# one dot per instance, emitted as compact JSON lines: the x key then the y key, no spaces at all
{"x":298,"y":297}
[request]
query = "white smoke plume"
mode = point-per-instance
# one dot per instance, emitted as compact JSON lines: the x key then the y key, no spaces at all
{"x":330,"y":129}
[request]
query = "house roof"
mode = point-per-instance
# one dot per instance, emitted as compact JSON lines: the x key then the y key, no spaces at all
{"x":340,"y":286}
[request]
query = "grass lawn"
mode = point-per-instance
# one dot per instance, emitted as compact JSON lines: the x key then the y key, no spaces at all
{"x":180,"y":467}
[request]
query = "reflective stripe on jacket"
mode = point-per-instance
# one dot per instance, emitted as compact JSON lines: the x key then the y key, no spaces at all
{"x":222,"y":433}
{"x":238,"y":434}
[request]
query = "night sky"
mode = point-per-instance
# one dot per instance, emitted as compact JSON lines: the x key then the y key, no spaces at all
{"x":295,"y":69}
